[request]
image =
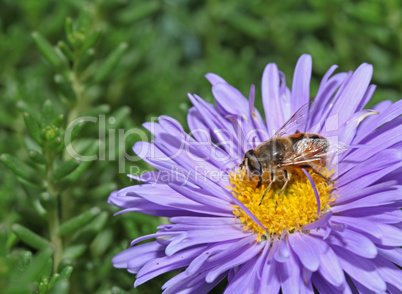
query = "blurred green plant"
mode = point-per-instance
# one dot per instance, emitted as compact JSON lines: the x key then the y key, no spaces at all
{"x":131,"y":61}
{"x":61,"y":190}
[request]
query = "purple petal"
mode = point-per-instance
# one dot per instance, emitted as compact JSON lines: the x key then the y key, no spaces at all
{"x":319,"y":223}
{"x":242,"y":257}
{"x":301,"y":83}
{"x":373,"y":200}
{"x":391,"y":235}
{"x":198,"y":195}
{"x":351,"y":241}
{"x":270,"y":98}
{"x":360,"y":193}
{"x":247,"y":273}
{"x":385,"y":116}
{"x":229,"y":100}
{"x":353,"y":93}
{"x":282,"y":253}
{"x":163,"y":195}
{"x":359,"y":224}
{"x":330,"y":268}
{"x":152,"y":236}
{"x":389,"y":272}
{"x":214,"y":78}
{"x":394,"y":255}
{"x":257,"y":122}
{"x":158,"y":266}
{"x":308,"y":249}
{"x":324,"y":287}
{"x":196,"y":237}
{"x":220,"y":129}
{"x":360,"y":269}
{"x":269,"y":278}
{"x":348,"y":130}
{"x":324,"y":95}
{"x":204,"y":221}
{"x":289,"y":275}
{"x":317,"y":197}
{"x":378,"y":142}
{"x":199,"y":263}
{"x":135,"y":257}
{"x":386,"y":215}
{"x":375,"y":168}
{"x":198,"y":128}
{"x":325,"y":113}
{"x":367,"y":96}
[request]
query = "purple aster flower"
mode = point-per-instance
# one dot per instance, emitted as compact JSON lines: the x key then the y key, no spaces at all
{"x":217,"y":228}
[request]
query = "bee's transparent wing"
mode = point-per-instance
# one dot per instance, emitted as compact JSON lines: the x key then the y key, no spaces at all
{"x":296,"y":123}
{"x":313,"y":150}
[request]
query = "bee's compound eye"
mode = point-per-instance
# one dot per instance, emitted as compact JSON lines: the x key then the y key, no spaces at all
{"x":252,"y":163}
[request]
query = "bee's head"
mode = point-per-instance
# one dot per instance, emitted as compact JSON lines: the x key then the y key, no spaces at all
{"x":251,"y":163}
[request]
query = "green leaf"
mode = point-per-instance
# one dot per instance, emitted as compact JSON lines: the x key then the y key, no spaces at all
{"x":111,"y":61}
{"x":33,"y":273}
{"x":30,"y":238}
{"x":92,"y":228}
{"x":11,"y":241}
{"x":100,"y":109}
{"x":77,"y":222}
{"x":138,"y":11}
{"x":101,"y":242}
{"x":75,"y":251}
{"x":103,"y":190}
{"x":65,"y":169}
{"x":47,"y":113}
{"x":73,"y":131}
{"x":47,"y":50}
{"x":117,"y":290}
{"x":48,"y":201}
{"x":53,"y":280}
{"x":47,"y":269}
{"x":66,"y":50}
{"x":37,"y":157}
{"x":66,"y":272}
{"x":61,"y":287}
{"x":118,"y":116}
{"x":43,"y":285}
{"x":75,"y":175}
{"x":19,"y":168}
{"x":58,"y":121}
{"x":65,"y":87}
{"x":33,"y":127}
{"x":249,"y":25}
{"x":98,"y":223}
{"x":68,"y":26}
{"x":86,"y":59}
{"x":91,"y":40}
{"x":23,"y":262}
{"x":37,"y":205}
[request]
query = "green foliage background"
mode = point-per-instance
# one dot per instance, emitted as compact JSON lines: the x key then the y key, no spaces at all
{"x":134,"y":60}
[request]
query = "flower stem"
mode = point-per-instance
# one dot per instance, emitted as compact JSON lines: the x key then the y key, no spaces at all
{"x":53,"y":215}
{"x":53,"y":219}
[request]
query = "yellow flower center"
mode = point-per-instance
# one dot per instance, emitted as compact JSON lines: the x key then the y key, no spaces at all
{"x":295,"y":207}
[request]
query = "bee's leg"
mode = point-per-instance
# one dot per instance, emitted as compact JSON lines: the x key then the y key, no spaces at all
{"x":268,"y":187}
{"x":287,"y":177}
{"x":317,"y":172}
{"x":259,"y":182}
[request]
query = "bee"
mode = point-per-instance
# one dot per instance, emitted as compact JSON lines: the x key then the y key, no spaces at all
{"x":275,"y":159}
